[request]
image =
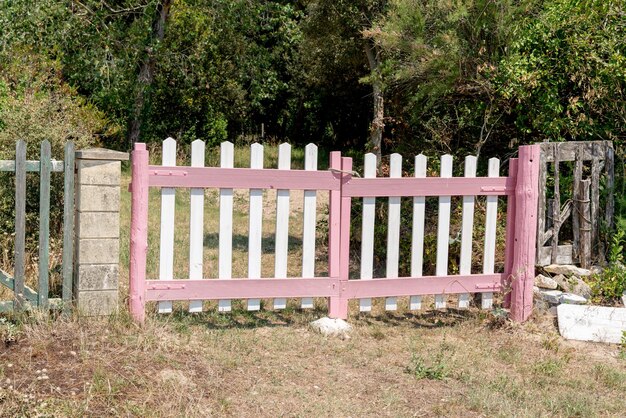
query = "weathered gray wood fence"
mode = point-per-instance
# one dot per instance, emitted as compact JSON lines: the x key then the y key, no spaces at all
{"x":592,"y":178}
{"x":24,"y":296}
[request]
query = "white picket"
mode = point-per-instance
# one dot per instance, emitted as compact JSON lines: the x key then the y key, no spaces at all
{"x":467,"y":230}
{"x":282,"y":223}
{"x":393,"y":231}
{"x":309,"y":221}
{"x":196,"y":224}
{"x":417,"y":240}
{"x":443,"y":230}
{"x":255,"y":235}
{"x":367,"y":232}
{"x":168,"y":204}
{"x":227,"y":157}
{"x":489,"y":258}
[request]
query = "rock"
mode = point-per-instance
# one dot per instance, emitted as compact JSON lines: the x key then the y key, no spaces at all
{"x":596,"y":270}
{"x":573,"y":299}
{"x":567,"y":270}
{"x":331,"y":327}
{"x":573,"y":284}
{"x":545,"y":282}
{"x":551,"y":296}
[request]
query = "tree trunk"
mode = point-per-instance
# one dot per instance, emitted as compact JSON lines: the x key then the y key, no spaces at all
{"x":146,"y":71}
{"x":378,"y":118}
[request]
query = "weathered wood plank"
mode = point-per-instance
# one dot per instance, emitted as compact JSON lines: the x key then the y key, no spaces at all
{"x":595,"y":195}
{"x":8,"y":281}
{"x":578,"y":176}
{"x":44,"y":222}
{"x":610,"y":184}
{"x":556,"y":209}
{"x":563,"y":255}
{"x":541,"y":206}
{"x":20,"y":223}
{"x":31,"y":166}
{"x":68,"y":224}
{"x":584,"y":222}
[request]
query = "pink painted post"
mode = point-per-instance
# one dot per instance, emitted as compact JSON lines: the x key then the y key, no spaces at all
{"x":334,"y":231}
{"x":523,"y":266}
{"x":341,"y":305}
{"x":510,"y":236}
{"x":138,"y":232}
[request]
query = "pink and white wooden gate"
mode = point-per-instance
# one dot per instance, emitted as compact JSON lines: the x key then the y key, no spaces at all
{"x":520,"y":188}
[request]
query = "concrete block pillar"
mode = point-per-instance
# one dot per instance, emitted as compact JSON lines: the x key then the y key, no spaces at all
{"x":97,"y":230}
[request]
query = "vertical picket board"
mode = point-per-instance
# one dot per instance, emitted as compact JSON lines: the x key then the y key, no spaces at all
{"x":255,"y":236}
{"x":467,"y":230}
{"x":45,"y":168}
{"x":443,"y":229}
{"x":309,"y":221}
{"x":489,"y":259}
{"x":20,"y":223}
{"x":227,"y":159}
{"x":168,"y":204}
{"x":196,"y":224}
{"x":334,"y":232}
{"x":68,"y":224}
{"x":393,"y":231}
{"x":367,"y":232}
{"x":282,"y":223}
{"x":417,"y":241}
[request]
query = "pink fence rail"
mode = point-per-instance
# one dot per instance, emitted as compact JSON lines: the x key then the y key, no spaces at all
{"x":519,"y":187}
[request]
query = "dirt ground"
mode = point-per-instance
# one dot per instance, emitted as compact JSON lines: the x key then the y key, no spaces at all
{"x":450,"y":363}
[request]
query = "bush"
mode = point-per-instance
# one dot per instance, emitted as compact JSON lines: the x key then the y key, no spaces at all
{"x":610,"y":285}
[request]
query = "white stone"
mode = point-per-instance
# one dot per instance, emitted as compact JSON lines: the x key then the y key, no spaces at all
{"x":591,"y":323}
{"x":551,"y":296}
{"x":545,"y":282}
{"x":573,"y":299}
{"x":573,"y":284}
{"x":567,"y":270}
{"x":331,"y":327}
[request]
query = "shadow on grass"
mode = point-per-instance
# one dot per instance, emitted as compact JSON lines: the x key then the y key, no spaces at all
{"x":426,"y":319}
{"x":241,"y":242}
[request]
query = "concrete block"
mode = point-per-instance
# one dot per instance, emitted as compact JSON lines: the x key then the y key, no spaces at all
{"x":97,"y":277}
{"x":97,"y":225}
{"x":591,"y":323}
{"x":98,"y":172}
{"x":97,"y":302}
{"x":97,"y":251}
{"x":97,"y":198}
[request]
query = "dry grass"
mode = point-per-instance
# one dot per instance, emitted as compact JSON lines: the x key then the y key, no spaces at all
{"x":272,"y":364}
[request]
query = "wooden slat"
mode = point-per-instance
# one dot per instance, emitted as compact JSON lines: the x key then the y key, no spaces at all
{"x":578,"y":175}
{"x":431,"y":186}
{"x":489,"y":258}
{"x":393,"y":231}
{"x":255,"y":235}
{"x":541,"y":208}
{"x":563,"y":255}
{"x":31,"y":166}
{"x":596,"y":167}
{"x":68,"y":224}
{"x":309,"y":220}
{"x":168,"y":206}
{"x":44,"y":223}
{"x":417,"y":239}
{"x":196,"y":224}
{"x":443,"y":229}
{"x":227,"y":159}
{"x":282,"y":223}
{"x":20,"y":223}
{"x":584,"y":215}
{"x":367,"y":231}
{"x":610,"y":184}
{"x":467,"y":231}
{"x":556,"y":208}
{"x":8,"y":281}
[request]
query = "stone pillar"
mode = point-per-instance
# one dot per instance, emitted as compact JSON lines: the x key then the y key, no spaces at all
{"x":97,"y":230}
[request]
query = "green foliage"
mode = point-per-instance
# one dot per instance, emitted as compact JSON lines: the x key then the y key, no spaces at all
{"x":610,"y":285}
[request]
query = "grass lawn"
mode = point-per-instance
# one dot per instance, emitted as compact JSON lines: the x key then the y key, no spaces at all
{"x":270,"y":363}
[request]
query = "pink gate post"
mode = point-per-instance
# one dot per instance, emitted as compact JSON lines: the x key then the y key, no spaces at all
{"x":138,"y":232}
{"x":525,"y":224}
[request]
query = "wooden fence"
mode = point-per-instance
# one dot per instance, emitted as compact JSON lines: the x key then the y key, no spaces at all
{"x":24,"y":296}
{"x":519,"y":187}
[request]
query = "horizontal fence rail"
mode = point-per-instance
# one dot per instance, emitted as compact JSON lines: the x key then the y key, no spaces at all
{"x":519,"y":188}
